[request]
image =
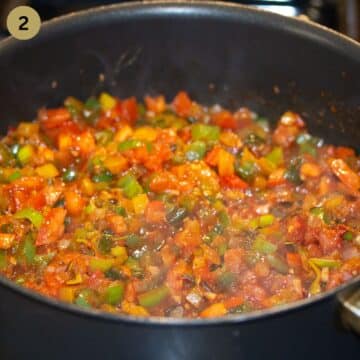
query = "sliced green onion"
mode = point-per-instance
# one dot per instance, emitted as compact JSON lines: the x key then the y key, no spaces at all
{"x":315,"y":287}
{"x":43,"y":259}
{"x":224,"y":218}
{"x":134,"y":266}
{"x":322,"y":262}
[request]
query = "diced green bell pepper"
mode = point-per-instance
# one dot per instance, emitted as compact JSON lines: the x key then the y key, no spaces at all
{"x":25,"y":153}
{"x":29,"y":250}
{"x":133,"y":241}
{"x":69,"y":175}
{"x":83,"y":298}
{"x":246,"y":170}
{"x":14,"y":176}
{"x":130,"y":186}
{"x":277,"y":263}
{"x":263,"y":246}
{"x":101,"y":264}
{"x":205,"y":132}
{"x":276,"y":156}
{"x":129,"y":144}
{"x":104,"y":176}
{"x":321,"y":214}
{"x":348,"y":236}
{"x":177,"y":215}
{"x":196,"y":150}
{"x":3,"y":259}
{"x":104,"y":137}
{"x":153,"y":297}
{"x":30,"y":214}
{"x":114,"y":293}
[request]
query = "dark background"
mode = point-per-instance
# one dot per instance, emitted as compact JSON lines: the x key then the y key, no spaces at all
{"x":341,"y":15}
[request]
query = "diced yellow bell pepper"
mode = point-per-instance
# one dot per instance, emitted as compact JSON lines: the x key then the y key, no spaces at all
{"x":27,"y":129}
{"x":226,"y":163}
{"x":87,"y":186}
{"x":67,"y":294}
{"x":101,"y":264}
{"x":76,"y":281}
{"x":47,"y":171}
{"x":229,"y":138}
{"x":145,"y":133}
{"x":120,"y":253}
{"x":247,"y":156}
{"x":64,"y":142}
{"x":139,"y":203}
{"x":266,"y":166}
{"x":123,"y":133}
{"x":260,"y":182}
{"x":132,"y":309}
{"x":25,"y":154}
{"x":214,"y":310}
{"x":107,"y":102}
{"x":116,"y":164}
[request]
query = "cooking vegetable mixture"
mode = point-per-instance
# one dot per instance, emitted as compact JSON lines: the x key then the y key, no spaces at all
{"x":175,"y":209}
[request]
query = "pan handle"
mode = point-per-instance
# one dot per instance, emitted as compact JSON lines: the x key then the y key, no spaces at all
{"x":350,"y":309}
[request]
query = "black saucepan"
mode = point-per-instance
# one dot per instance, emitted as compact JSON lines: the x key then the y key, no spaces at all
{"x":221,"y":53}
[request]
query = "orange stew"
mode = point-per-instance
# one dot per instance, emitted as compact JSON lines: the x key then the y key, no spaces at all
{"x":175,"y":209}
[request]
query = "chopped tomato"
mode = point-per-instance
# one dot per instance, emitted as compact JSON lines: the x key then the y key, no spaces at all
{"x":155,"y":212}
{"x":348,"y":177}
{"x":155,"y":104}
{"x":233,"y":182}
{"x":225,"y":120}
{"x":52,"y":228}
{"x":182,"y":104}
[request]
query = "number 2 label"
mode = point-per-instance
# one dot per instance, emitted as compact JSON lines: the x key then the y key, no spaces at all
{"x":23,"y":22}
